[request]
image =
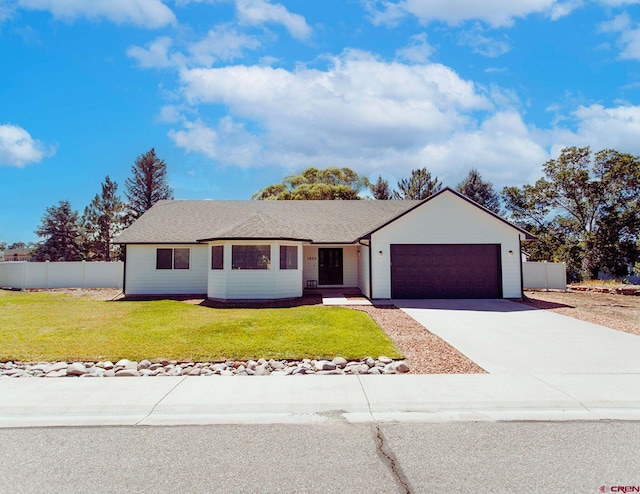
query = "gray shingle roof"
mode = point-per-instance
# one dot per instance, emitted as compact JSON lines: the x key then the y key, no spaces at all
{"x":316,"y":221}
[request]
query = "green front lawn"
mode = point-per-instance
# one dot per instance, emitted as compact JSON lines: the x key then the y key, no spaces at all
{"x":45,"y":326}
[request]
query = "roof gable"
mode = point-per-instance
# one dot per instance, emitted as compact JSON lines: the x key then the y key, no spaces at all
{"x":526,"y":234}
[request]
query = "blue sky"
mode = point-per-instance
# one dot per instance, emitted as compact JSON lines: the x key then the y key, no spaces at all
{"x":236,"y":94}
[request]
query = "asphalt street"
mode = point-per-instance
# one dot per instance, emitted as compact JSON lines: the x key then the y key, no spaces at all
{"x":465,"y":457}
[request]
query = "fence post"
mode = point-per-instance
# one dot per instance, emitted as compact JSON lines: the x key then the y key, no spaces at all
{"x":84,"y":263}
{"x":546,"y":276}
{"x":46,"y":275}
{"x":24,"y":276}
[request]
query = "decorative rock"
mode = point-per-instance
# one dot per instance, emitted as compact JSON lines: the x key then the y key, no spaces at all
{"x":144,"y":364}
{"x":97,"y":371}
{"x":58,"y":366}
{"x":127,"y":373}
{"x":42,"y":367}
{"x":122,"y":362}
{"x":369,"y":361}
{"x":322,"y":365}
{"x":276,"y":365}
{"x":339,"y":362}
{"x":401,"y":367}
{"x":76,"y":369}
{"x":58,"y":373}
{"x":262,"y":370}
{"x":385,"y":360}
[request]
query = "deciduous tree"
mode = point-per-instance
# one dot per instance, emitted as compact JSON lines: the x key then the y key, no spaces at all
{"x":586,"y":209}
{"x":314,"y":184}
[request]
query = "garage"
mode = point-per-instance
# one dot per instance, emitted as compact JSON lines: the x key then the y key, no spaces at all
{"x":446,"y":271}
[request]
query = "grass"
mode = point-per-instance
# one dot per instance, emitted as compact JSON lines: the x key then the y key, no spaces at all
{"x":44,"y":326}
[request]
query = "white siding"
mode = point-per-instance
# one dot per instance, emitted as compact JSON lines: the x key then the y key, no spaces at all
{"x":363,"y":270}
{"x":350,"y":263}
{"x":446,"y":219}
{"x":274,"y":283}
{"x":142,"y":277}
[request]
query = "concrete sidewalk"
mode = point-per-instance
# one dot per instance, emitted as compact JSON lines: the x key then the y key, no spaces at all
{"x":313,"y":399}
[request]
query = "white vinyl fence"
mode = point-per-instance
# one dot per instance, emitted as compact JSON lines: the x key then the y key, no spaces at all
{"x":81,"y":274}
{"x":544,"y":275}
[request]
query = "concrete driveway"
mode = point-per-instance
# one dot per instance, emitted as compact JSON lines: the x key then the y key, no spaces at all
{"x":505,"y":337}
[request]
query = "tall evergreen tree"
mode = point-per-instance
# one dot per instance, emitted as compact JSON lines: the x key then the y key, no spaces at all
{"x":148,"y":184}
{"x":419,"y":186}
{"x":103,"y":219}
{"x":381,"y":190}
{"x":480,"y":191}
{"x":60,"y":226}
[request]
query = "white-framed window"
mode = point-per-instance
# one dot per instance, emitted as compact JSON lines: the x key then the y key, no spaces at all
{"x":250,"y":257}
{"x":217,"y":257}
{"x":178,"y":258}
{"x":288,"y":257}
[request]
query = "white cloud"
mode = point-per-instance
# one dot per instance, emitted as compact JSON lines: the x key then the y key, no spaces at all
{"x":418,"y":50}
{"x":362,"y":112}
{"x":628,"y":38}
{"x":360,"y":101}
{"x":156,"y":54}
{"x":221,"y":43}
{"x":6,"y":11}
{"x":630,"y":44}
{"x":484,"y":45}
{"x":256,"y":12}
{"x":384,"y":12}
{"x":493,"y":12}
{"x":563,"y":9}
{"x":18,"y":148}
{"x":601,"y":128}
{"x":619,"y":23}
{"x":229,"y":142}
{"x":144,"y":13}
{"x":502,"y":146}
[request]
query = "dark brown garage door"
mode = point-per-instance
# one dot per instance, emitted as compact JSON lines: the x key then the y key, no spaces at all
{"x":446,"y":271}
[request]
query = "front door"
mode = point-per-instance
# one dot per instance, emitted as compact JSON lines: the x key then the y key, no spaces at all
{"x":330,"y":266}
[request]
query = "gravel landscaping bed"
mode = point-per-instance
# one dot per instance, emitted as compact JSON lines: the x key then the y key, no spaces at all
{"x":607,"y":309}
{"x":424,"y":352}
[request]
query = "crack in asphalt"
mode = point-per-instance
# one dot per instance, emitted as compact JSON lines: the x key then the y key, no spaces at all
{"x":384,"y":452}
{"x":389,"y":459}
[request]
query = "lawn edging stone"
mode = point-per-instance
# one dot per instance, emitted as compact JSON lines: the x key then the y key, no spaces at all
{"x":261,"y":367}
